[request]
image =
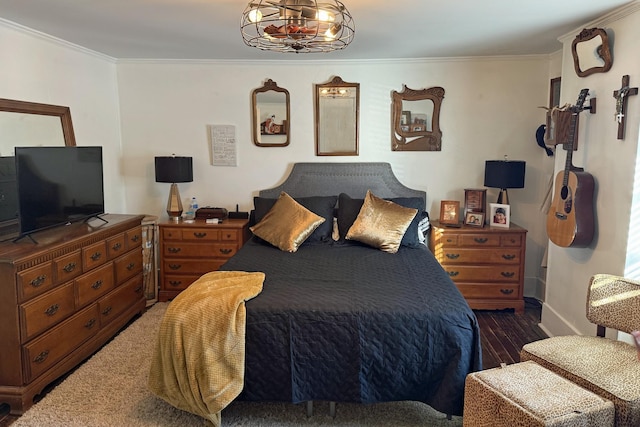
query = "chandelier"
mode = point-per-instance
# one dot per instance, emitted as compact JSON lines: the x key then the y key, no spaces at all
{"x":299,"y":26}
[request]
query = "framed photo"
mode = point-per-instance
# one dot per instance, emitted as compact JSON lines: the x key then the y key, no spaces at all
{"x":405,"y":118}
{"x":450,"y":212}
{"x":475,"y":200}
{"x":499,"y":215}
{"x":474,"y":219}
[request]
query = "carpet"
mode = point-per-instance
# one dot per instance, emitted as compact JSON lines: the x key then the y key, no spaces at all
{"x":110,"y":389}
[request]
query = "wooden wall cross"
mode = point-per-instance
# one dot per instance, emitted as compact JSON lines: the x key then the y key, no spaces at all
{"x":622,"y":95}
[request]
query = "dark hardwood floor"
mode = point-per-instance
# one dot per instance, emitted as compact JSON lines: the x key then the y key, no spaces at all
{"x":503,"y":333}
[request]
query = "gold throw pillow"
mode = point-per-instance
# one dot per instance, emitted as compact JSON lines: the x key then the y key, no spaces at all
{"x":381,"y":223}
{"x":287,"y":224}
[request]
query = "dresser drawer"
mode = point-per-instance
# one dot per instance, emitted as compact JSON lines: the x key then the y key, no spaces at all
{"x":475,"y":240}
{"x":119,"y":300}
{"x":478,"y":273}
{"x":94,"y":284}
{"x":171,"y":266}
{"x":42,"y":312}
{"x":94,"y":255}
{"x":68,"y":267}
{"x":511,"y":240}
{"x":49,"y":348}
{"x":178,"y":282}
{"x":35,"y":281}
{"x":201,"y":234}
{"x":477,"y":256}
{"x":128,"y":265}
{"x":116,"y":246}
{"x":203,"y":250}
{"x":133,"y":238}
{"x":486,"y":290}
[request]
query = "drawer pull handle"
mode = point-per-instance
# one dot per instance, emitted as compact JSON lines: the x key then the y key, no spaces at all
{"x":90,"y":323}
{"x":506,"y":291}
{"x":449,"y":240}
{"x":117,"y":246}
{"x":131,"y":266}
{"x":138,"y":289}
{"x":106,"y":311}
{"x":226,"y":251}
{"x":453,"y":273}
{"x":69,"y":267}
{"x":200,"y":235}
{"x":135,"y":237}
{"x":175,"y":282}
{"x":97,"y":284}
{"x":453,"y":256}
{"x":508,"y":273}
{"x":52,"y":310}
{"x":480,"y":239}
{"x":174,"y":250}
{"x":508,"y":256}
{"x":41,"y":357}
{"x":175,"y":266}
{"x":96,"y":256}
{"x":38,"y":281}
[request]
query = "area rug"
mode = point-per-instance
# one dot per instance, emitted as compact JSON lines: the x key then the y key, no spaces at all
{"x":110,"y":389}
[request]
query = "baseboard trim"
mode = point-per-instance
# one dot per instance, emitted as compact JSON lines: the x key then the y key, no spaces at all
{"x":553,"y":324}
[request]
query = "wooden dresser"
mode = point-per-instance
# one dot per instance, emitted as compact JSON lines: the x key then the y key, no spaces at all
{"x":62,"y":298}
{"x":189,"y":250}
{"x":486,"y":264}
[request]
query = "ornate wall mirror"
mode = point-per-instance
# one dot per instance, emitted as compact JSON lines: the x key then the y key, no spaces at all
{"x":416,"y":119}
{"x":270,"y":105}
{"x":26,"y":124}
{"x":591,"y":52}
{"x":337,"y":106}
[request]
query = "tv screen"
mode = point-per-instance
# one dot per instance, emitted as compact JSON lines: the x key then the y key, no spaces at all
{"x":58,"y":185}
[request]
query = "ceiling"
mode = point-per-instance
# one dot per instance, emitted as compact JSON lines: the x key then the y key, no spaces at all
{"x":209,"y":29}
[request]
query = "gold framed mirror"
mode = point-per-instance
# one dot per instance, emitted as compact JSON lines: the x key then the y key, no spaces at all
{"x":591,"y":52}
{"x":416,"y":119}
{"x":337,"y":111}
{"x":270,"y":105}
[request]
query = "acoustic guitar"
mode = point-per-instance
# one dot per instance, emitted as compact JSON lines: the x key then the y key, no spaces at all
{"x":570,"y":221}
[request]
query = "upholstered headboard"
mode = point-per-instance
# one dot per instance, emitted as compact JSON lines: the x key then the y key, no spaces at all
{"x":354,"y":179}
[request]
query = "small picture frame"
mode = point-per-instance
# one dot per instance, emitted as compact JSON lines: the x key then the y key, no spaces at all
{"x":405,"y":118}
{"x":499,"y":215}
{"x":475,"y":200}
{"x":450,"y":212}
{"x":474,"y":219}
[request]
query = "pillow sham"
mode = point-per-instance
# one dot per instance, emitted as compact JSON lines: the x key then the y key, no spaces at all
{"x":381,"y":223}
{"x":287,"y":224}
{"x":349,"y":208}
{"x":320,"y":205}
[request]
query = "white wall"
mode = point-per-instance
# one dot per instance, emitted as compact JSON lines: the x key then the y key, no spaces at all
{"x":611,"y":162}
{"x":38,"y":68}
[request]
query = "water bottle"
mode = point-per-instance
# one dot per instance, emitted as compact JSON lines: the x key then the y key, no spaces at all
{"x":191,"y":211}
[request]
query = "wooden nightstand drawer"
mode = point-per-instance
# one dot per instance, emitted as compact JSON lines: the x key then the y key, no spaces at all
{"x":178,"y":282}
{"x":511,"y":240}
{"x":201,"y":250}
{"x":468,"y":273}
{"x":201,"y":234}
{"x":178,"y":266}
{"x":498,"y":291}
{"x":475,"y":256}
{"x":479,"y":240}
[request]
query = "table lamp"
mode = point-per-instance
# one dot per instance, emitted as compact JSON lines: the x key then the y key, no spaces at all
{"x":174,"y":169}
{"x":504,"y":174}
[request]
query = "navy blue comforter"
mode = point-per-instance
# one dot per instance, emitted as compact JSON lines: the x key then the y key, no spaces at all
{"x":348,"y":323}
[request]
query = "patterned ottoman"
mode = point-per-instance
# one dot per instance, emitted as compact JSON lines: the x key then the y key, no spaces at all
{"x":526,"y":394}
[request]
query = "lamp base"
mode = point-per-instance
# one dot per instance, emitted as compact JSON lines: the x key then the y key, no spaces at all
{"x":174,"y":204}
{"x":503,"y":197}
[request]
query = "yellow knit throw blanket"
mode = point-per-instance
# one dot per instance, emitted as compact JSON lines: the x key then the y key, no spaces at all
{"x":198,"y":363}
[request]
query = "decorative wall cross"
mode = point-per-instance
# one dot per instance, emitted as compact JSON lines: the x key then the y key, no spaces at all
{"x":622,"y":95}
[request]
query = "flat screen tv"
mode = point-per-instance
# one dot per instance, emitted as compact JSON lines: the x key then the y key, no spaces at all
{"x":58,"y":185}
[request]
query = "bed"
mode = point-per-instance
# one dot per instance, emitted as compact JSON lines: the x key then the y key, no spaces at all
{"x":342,"y":321}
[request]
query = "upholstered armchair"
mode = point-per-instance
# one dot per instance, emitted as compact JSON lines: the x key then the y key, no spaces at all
{"x":607,"y":367}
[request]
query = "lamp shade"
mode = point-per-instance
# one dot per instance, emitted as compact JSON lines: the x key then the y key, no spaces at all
{"x":504,"y":173}
{"x":174,"y":169}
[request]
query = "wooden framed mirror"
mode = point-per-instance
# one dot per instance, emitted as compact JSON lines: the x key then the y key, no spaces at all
{"x":337,"y":110}
{"x":24,"y":124}
{"x":271,"y":111}
{"x":591,"y":52}
{"x":416,"y":119}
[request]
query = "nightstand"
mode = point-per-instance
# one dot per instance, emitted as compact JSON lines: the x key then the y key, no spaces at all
{"x":486,"y":264}
{"x":189,"y":250}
